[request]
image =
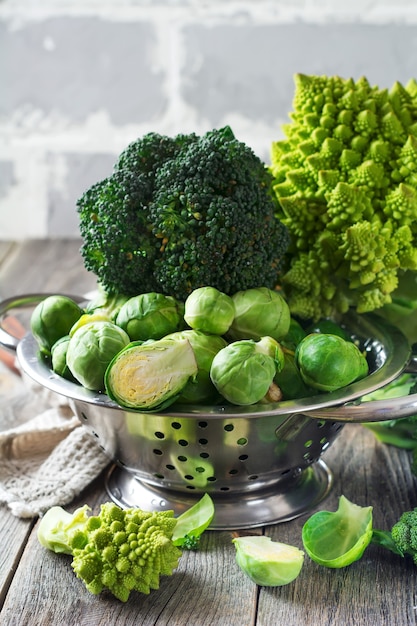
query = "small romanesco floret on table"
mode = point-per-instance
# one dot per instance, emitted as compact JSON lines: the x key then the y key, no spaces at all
{"x":183,"y":212}
{"x":120,"y":550}
{"x":346,"y":180}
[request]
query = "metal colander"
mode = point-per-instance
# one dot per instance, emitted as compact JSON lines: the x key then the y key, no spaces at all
{"x":261,"y":464}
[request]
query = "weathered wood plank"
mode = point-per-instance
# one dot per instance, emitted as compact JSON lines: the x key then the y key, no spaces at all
{"x":14,"y":535}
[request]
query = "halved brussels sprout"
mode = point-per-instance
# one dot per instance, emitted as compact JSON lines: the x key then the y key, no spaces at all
{"x":268,"y":563}
{"x":90,"y":350}
{"x":259,"y":312}
{"x":52,"y":319}
{"x":149,"y":316}
{"x":150,"y":376}
{"x":209,"y":310}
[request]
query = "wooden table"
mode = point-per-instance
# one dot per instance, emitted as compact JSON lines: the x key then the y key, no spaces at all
{"x":208,"y":589}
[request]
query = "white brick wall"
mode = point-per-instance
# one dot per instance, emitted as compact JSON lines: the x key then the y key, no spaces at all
{"x":81,"y":79}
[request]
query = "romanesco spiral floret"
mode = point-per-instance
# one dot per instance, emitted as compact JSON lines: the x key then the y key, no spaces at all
{"x":125,"y":549}
{"x":347,"y":167}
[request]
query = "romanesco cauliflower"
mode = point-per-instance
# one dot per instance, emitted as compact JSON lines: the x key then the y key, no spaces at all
{"x":119,"y":549}
{"x":346,"y":180}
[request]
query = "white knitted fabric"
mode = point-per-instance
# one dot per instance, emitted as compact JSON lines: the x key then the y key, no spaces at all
{"x":45,"y":460}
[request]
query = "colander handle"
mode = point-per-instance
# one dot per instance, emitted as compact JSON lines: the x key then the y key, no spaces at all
{"x":375,"y":410}
{"x":25,"y":301}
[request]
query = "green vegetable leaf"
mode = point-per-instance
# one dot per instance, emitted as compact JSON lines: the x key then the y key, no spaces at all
{"x":193,"y":522}
{"x":57,"y":528}
{"x":337,"y":539}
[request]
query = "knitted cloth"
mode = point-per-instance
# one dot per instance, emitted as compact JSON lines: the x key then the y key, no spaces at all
{"x":47,"y":459}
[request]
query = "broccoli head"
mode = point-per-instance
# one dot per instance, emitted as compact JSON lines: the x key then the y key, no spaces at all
{"x":346,"y":180}
{"x":182,"y":213}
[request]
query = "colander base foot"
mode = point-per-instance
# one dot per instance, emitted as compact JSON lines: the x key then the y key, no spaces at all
{"x":278,"y":503}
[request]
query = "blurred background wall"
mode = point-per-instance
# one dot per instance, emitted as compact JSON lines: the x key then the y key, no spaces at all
{"x":80,"y":79}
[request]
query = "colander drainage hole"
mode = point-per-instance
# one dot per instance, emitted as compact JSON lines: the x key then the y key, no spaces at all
{"x":203,"y":424}
{"x":253,"y":477}
{"x":243,"y":457}
{"x":203,"y":442}
{"x":159,"y":435}
{"x":176,"y":425}
{"x":229,"y":427}
{"x":170,"y":467}
{"x":182,"y":458}
{"x":183,"y":442}
{"x":156,"y":451}
{"x":204,"y":455}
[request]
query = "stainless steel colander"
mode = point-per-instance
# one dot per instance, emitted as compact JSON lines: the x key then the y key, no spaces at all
{"x":261,"y":464}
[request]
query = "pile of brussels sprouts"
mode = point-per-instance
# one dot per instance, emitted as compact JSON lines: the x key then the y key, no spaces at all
{"x":149,"y":351}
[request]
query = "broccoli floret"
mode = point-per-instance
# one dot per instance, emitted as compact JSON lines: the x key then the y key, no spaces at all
{"x":404,"y":534}
{"x":182,"y":213}
{"x":346,"y":180}
{"x":119,"y":550}
{"x":190,"y":542}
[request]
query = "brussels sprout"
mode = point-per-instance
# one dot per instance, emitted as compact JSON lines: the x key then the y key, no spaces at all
{"x":328,"y":362}
{"x":88,"y":318}
{"x":337,"y":539}
{"x":209,"y":310}
{"x":290,"y":381}
{"x":268,"y":563}
{"x":106,"y":305}
{"x":150,"y":376}
{"x":259,"y":312}
{"x":52,"y":319}
{"x":90,"y":350}
{"x":295,"y":333}
{"x":149,"y":316}
{"x":200,"y":389}
{"x":59,"y":358}
{"x":243,"y":371}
